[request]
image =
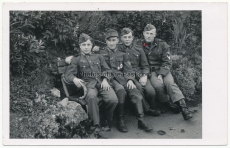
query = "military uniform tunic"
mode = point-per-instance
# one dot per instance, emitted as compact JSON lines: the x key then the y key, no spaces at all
{"x":92,"y":69}
{"x":158,"y":55}
{"x":140,"y":65}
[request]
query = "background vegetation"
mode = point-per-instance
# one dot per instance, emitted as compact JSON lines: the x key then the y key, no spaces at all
{"x":38,"y":38}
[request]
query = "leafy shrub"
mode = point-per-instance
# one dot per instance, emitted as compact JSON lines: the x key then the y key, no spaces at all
{"x":186,"y":76}
{"x":54,"y":122}
{"x":26,"y":55}
{"x":23,"y":90}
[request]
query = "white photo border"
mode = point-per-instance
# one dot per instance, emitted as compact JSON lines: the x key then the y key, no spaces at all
{"x":214,"y":71}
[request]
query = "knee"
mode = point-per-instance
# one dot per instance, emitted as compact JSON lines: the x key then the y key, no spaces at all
{"x":91,"y":97}
{"x":168,"y":82}
{"x":112,"y":99}
{"x":159,"y":86}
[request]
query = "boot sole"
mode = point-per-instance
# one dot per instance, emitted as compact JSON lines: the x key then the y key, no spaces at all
{"x":147,"y":130}
{"x":187,"y":118}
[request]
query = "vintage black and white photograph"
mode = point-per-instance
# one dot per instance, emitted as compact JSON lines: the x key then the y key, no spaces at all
{"x":105,"y":74}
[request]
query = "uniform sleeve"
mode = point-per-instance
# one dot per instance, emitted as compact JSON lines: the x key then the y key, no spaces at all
{"x":144,"y":62}
{"x":129,"y":73}
{"x":71,"y":71}
{"x":106,"y":71}
{"x":166,"y":60}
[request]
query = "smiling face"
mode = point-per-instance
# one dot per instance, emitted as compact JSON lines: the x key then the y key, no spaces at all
{"x":127,"y":39}
{"x":149,"y":35}
{"x":112,"y":42}
{"x":86,"y":47}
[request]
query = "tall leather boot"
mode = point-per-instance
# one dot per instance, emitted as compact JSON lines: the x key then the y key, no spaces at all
{"x":140,"y":117}
{"x":120,"y":118}
{"x":184,"y":109}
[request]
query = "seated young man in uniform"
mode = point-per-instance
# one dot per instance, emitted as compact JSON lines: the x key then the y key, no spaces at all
{"x":91,"y":69}
{"x":158,"y":55}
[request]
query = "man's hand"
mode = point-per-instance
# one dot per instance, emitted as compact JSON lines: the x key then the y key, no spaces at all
{"x":105,"y":85}
{"x":68,"y":59}
{"x":143,"y":80}
{"x":78,"y":82}
{"x":95,"y":48}
{"x":130,"y":84}
{"x":160,"y":78}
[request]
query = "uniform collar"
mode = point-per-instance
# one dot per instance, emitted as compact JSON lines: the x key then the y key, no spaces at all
{"x":129,"y":47}
{"x":111,"y":50}
{"x":150,"y":45}
{"x":86,"y":54}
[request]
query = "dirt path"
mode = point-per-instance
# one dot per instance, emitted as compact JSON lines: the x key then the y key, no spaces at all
{"x":171,"y":123}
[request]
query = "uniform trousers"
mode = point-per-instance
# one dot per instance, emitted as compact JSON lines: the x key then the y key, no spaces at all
{"x":135,"y":97}
{"x":94,"y":96}
{"x":167,"y":86}
{"x":120,"y":91}
{"x":149,"y":94}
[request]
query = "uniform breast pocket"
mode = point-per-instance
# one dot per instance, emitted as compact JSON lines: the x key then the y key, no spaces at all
{"x":136,"y":58}
{"x":158,"y":53}
{"x":106,"y":59}
{"x":97,"y":65}
{"x":84,"y":67}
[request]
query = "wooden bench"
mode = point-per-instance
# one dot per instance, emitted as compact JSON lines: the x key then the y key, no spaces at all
{"x":72,"y":92}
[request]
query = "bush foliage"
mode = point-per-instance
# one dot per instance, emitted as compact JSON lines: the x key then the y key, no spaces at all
{"x":38,"y":38}
{"x":53,"y":122}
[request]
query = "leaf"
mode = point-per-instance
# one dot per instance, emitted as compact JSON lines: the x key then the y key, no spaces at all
{"x":50,"y":33}
{"x":55,"y":41}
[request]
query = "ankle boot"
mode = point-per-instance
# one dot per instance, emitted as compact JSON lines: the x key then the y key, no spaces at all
{"x":120,"y":120}
{"x":154,"y":113}
{"x":172,"y":107}
{"x":143,"y":126}
{"x":121,"y":125}
{"x":184,"y":109}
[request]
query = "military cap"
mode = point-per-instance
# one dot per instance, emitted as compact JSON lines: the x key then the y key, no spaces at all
{"x":84,"y":37}
{"x":111,"y":33}
{"x":149,"y":27}
{"x":125,"y":31}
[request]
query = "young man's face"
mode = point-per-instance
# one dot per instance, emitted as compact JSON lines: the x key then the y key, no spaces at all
{"x":112,"y":42}
{"x":127,"y":39}
{"x":149,"y":35}
{"x":86,"y":47}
